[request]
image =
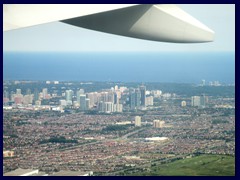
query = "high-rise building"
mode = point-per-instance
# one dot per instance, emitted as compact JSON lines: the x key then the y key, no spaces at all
{"x":18,"y":91}
{"x":156,"y":93}
{"x":27,"y":99}
{"x":109,"y":107}
{"x":69,"y":95}
{"x":195,"y":101}
{"x":5,"y":94}
{"x":79,"y":93}
{"x":87,"y":103}
{"x":36,"y":95}
{"x":5,"y":97}
{"x":143,"y":95}
{"x":137,"y":98}
{"x":63,"y":102}
{"x":28,"y":92}
{"x":93,"y":97}
{"x":83,"y":102}
{"x":12,"y":95}
{"x":132,"y":99}
{"x":116,"y":99}
{"x":18,"y":99}
{"x":203,"y":100}
{"x":45,"y":93}
{"x":199,"y":101}
{"x":149,"y":101}
{"x":101,"y":106}
{"x":107,"y":97}
{"x":118,"y":107}
{"x":203,"y":82}
{"x":158,"y":123}
{"x":137,"y":121}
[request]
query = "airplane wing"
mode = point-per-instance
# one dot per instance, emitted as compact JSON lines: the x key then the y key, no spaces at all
{"x":161,"y":22}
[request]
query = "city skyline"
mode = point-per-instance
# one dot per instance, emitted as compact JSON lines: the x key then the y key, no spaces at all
{"x":180,"y":124}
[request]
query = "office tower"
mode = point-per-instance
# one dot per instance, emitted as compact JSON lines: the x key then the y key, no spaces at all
{"x":12,"y":95}
{"x":28,"y":92}
{"x":93,"y":98}
{"x":109,"y":107}
{"x":5,"y":97}
{"x":103,"y":97}
{"x":78,"y":97}
{"x":155,"y":123}
{"x":69,"y":95}
{"x":45,"y":93}
{"x":195,"y":101}
{"x":107,"y":97}
{"x":36,"y":95}
{"x":132,"y":99}
{"x":183,"y":103}
{"x":203,"y":100}
{"x":118,"y":107}
{"x":137,"y":98}
{"x":18,"y":91}
{"x":110,"y":97}
{"x":83,"y":102}
{"x":5,"y":94}
{"x":116,"y":99}
{"x":143,"y":95}
{"x":62,"y":102}
{"x":79,"y":92}
{"x":87,"y":104}
{"x":27,"y":99}
{"x":18,"y":99}
{"x":137,"y":121}
{"x":203,"y":82}
{"x":101,"y":106}
{"x":161,"y":124}
{"x":199,"y":101}
{"x":149,"y":101}
{"x":156,"y":93}
{"x":158,"y":123}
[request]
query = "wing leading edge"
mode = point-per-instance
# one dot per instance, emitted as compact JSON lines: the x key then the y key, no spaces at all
{"x":163,"y":22}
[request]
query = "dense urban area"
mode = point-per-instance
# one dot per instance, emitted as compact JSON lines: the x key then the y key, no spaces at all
{"x":114,"y":128}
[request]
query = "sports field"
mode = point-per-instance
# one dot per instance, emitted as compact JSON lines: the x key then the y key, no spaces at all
{"x":204,"y":165}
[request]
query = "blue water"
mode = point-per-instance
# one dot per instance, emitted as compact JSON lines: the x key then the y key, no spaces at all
{"x":126,"y":67}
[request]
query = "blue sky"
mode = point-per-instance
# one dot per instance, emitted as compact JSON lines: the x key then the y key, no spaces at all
{"x":58,"y":36}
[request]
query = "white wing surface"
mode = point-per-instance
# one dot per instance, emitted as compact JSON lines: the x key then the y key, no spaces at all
{"x":163,"y":22}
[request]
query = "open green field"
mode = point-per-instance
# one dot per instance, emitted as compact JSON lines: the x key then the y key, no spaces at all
{"x":204,"y":165}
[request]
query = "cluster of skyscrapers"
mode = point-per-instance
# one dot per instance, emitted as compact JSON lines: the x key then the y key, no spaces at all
{"x":138,"y":98}
{"x":106,"y":101}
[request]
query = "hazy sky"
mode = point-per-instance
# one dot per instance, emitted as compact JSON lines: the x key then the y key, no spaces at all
{"x":58,"y":36}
